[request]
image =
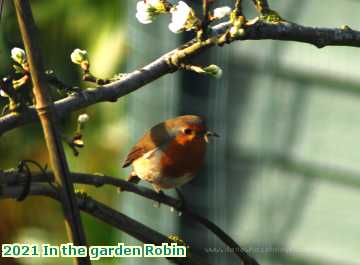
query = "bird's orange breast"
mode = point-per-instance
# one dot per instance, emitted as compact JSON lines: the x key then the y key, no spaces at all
{"x":183,"y":155}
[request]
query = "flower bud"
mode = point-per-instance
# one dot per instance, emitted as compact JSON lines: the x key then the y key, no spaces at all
{"x":18,"y":55}
{"x":83,"y":118}
{"x":79,"y":56}
{"x":213,"y":70}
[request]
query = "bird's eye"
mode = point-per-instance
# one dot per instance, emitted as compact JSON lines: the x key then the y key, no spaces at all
{"x":188,"y":131}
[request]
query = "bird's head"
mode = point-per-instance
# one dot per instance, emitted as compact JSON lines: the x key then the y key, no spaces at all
{"x":189,"y":127}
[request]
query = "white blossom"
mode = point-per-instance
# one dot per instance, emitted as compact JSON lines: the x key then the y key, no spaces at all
{"x":154,"y":3}
{"x":146,"y":11}
{"x":18,"y":55}
{"x":144,"y":14}
{"x":183,"y":18}
{"x":83,"y":118}
{"x":221,"y":12}
{"x":78,"y":56}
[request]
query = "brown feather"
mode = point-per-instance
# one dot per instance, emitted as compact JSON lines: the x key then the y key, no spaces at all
{"x":182,"y":156}
{"x":160,"y":135}
{"x":157,"y":137}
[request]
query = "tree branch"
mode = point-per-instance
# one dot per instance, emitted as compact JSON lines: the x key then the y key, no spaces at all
{"x":205,"y":20}
{"x":262,"y":6}
{"x":238,"y":7}
{"x":47,"y":115}
{"x":259,"y":30}
{"x":111,"y":217}
{"x":13,"y":178}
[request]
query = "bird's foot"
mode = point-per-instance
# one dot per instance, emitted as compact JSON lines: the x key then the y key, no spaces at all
{"x":133,"y":178}
{"x":181,"y":200}
{"x":157,"y":204}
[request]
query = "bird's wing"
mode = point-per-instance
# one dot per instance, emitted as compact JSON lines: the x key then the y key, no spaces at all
{"x":154,"y":139}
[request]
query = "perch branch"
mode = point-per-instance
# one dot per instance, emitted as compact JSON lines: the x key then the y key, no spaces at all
{"x":46,"y":112}
{"x":13,"y":178}
{"x":259,"y":30}
{"x":111,"y":217}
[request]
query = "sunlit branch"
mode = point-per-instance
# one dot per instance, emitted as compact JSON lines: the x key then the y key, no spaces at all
{"x":259,"y":30}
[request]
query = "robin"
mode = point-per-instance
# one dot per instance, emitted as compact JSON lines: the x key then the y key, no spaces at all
{"x":170,"y":154}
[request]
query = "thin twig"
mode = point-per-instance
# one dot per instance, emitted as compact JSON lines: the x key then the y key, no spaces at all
{"x":100,"y":180}
{"x":114,"y":218}
{"x":46,"y":112}
{"x":205,"y":20}
{"x":262,"y":6}
{"x":286,"y":31}
{"x":238,"y":7}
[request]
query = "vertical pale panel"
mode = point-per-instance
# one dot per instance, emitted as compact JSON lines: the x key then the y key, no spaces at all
{"x":147,"y":106}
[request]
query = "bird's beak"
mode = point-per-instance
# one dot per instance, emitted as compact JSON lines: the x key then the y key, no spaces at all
{"x":210,"y":134}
